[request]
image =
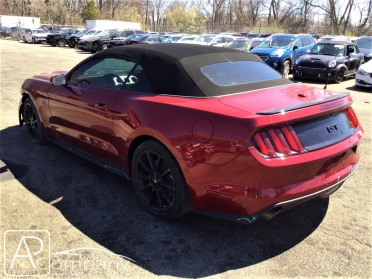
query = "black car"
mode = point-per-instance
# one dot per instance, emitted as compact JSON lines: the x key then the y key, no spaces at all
{"x":59,"y":39}
{"x":4,"y":32}
{"x":117,"y":43}
{"x":73,"y":39}
{"x":146,"y":39}
{"x":118,"y":36}
{"x":331,"y":61}
{"x":257,"y":35}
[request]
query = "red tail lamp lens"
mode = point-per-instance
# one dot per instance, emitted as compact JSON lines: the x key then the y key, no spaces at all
{"x":352,"y":117}
{"x":278,"y":142}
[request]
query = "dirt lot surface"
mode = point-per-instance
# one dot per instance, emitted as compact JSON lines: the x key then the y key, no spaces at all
{"x":45,"y":189}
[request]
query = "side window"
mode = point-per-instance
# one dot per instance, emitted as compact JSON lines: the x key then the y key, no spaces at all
{"x":104,"y":73}
{"x":298,"y":42}
{"x":128,"y":33}
{"x":306,"y":42}
{"x":351,"y":49}
{"x":137,"y":81}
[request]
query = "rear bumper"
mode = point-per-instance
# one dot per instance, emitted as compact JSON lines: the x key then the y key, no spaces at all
{"x":276,"y":208}
{"x":252,"y":186}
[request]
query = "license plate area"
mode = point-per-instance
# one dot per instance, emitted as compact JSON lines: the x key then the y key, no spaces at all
{"x":323,"y":132}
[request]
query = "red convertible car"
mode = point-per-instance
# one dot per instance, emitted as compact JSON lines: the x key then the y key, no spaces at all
{"x":198,"y":128}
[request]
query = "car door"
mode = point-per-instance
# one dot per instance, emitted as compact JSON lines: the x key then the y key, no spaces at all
{"x":302,"y":44}
{"x":28,"y":35}
{"x":83,"y":109}
{"x":354,"y":59}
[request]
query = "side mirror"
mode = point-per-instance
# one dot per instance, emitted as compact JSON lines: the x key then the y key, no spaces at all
{"x":58,"y":80}
{"x":295,"y":47}
{"x":308,"y":51}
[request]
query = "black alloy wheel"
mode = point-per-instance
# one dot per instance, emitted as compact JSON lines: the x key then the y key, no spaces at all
{"x":32,"y":123}
{"x":159,"y":182}
{"x":339,"y":75}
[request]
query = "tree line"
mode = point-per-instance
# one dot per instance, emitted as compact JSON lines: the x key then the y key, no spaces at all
{"x":351,"y":17}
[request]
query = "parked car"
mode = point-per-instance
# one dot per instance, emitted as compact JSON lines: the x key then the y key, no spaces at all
{"x":280,"y":51}
{"x":187,"y":39}
{"x":331,"y":61}
{"x":73,"y":39}
{"x":4,"y":32}
{"x":365,"y":46}
{"x":17,"y":33}
{"x":257,"y":35}
{"x":35,"y":36}
{"x":146,"y":39}
{"x":119,"y":35}
{"x":240,"y":43}
{"x":173,"y":38}
{"x":60,"y":38}
{"x":255,"y":42}
{"x":203,"y":39}
{"x":363,"y":76}
{"x":325,"y":39}
{"x":213,"y":39}
{"x":81,"y":42}
{"x":92,"y":42}
{"x":253,"y":143}
{"x":117,"y":43}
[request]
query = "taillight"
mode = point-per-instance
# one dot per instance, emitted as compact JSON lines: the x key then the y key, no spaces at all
{"x":352,"y":117}
{"x":278,"y":142}
{"x":135,"y":43}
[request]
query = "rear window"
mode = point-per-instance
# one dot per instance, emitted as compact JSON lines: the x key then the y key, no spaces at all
{"x":239,"y":72}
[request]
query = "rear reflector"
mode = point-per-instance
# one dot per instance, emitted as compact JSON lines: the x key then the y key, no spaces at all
{"x":278,"y":142}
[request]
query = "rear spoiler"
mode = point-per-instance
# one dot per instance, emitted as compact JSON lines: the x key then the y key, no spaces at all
{"x":309,"y":104}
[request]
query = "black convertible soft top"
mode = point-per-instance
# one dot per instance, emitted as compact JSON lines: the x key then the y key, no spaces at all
{"x":174,"y":69}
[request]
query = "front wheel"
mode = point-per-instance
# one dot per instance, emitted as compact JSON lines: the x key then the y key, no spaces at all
{"x":94,"y":47}
{"x":33,"y":40}
{"x":24,"y":39}
{"x":286,"y":67}
{"x":159,"y":181}
{"x":61,"y":43}
{"x":72,"y":45}
{"x":32,"y":123}
{"x":339,"y":76}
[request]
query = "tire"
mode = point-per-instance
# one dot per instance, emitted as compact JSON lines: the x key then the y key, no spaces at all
{"x":104,"y":46}
{"x":33,"y":41}
{"x":339,"y":75}
{"x":32,"y":123}
{"x":61,"y":43}
{"x":72,"y":45}
{"x":24,"y":39}
{"x":286,"y":68}
{"x":159,"y":182}
{"x":94,"y":47}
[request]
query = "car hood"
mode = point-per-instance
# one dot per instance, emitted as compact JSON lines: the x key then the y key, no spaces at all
{"x":91,"y":38}
{"x":279,"y":99}
{"x":87,"y":37}
{"x":367,"y":67}
{"x":322,"y":58}
{"x":268,"y":50}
